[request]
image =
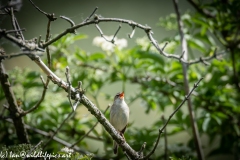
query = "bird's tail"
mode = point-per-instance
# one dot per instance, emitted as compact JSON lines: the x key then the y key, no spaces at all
{"x":115,"y":147}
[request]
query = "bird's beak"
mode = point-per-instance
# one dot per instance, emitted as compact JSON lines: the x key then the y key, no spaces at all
{"x":121,"y":95}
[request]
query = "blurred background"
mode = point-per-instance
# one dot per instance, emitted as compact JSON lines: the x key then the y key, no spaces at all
{"x":153,"y":84}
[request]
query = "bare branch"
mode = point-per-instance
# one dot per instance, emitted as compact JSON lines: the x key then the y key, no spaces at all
{"x":200,"y":10}
{"x":133,"y":32}
{"x":67,"y":74}
{"x":170,"y":117}
{"x":51,"y":137}
{"x":39,"y":143}
{"x":140,"y":152}
{"x":90,"y":106}
{"x":13,"y":31}
{"x":16,"y":27}
{"x":165,"y":45}
{"x":51,"y":17}
{"x":165,"y":140}
{"x":70,"y":21}
{"x":46,"y":134}
{"x":41,"y":99}
{"x":119,"y":27}
{"x":89,"y":130}
{"x":23,"y":53}
{"x":27,"y":45}
{"x":91,"y":14}
{"x":147,"y":29}
{"x":13,"y":107}
{"x":102,"y":35}
{"x":13,"y":19}
{"x":184,"y":48}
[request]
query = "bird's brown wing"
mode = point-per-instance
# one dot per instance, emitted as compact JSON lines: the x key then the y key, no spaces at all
{"x":123,"y":130}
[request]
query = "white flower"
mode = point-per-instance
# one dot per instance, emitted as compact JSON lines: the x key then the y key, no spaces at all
{"x":108,"y":46}
{"x":97,"y":41}
{"x":121,"y":43}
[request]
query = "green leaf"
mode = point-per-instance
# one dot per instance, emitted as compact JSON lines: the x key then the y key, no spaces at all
{"x":96,"y":56}
{"x":79,"y":37}
{"x":150,"y":55}
{"x":206,"y":124}
{"x":197,"y":44}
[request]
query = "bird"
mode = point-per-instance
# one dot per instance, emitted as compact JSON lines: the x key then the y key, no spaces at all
{"x":119,"y":117}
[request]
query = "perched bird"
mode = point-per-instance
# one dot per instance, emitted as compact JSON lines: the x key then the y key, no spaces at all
{"x":119,"y":116}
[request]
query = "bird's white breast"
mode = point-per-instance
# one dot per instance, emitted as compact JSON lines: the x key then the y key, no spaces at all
{"x":119,"y":114}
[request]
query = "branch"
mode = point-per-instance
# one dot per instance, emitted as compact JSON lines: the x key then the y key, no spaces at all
{"x":27,"y":45}
{"x":45,"y":84}
{"x":51,"y":137}
{"x":91,"y":14}
{"x":39,"y":143}
{"x":170,"y":117}
{"x":13,"y":107}
{"x":195,"y":131}
{"x":79,"y":96}
{"x":102,"y":35}
{"x":51,"y":17}
{"x":46,"y":134}
{"x":16,"y":25}
{"x":23,"y":53}
{"x":69,"y":87}
{"x":70,"y":21}
{"x":147,"y":29}
{"x":88,"y":131}
{"x":165,"y":140}
{"x":200,"y":10}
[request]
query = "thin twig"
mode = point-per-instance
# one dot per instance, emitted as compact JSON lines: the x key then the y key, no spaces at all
{"x":19,"y":29}
{"x":91,"y":14}
{"x":127,"y":156}
{"x":88,"y":131}
{"x":165,"y":140}
{"x":133,"y":32}
{"x":45,"y":84}
{"x":142,"y":149}
{"x":13,"y":20}
{"x":70,"y":21}
{"x":47,"y":39}
{"x":147,"y":29}
{"x":13,"y":31}
{"x":102,"y":35}
{"x":165,"y":45}
{"x":200,"y":10}
{"x":38,"y":8}
{"x":26,"y":45}
{"x":46,"y":134}
{"x":39,"y":143}
{"x":69,"y":115}
{"x":14,"y":109}
{"x":184,"y":48}
{"x":67,"y":74}
{"x":119,"y":27}
{"x":51,"y":17}
{"x":170,"y":117}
